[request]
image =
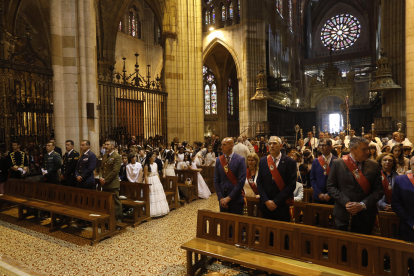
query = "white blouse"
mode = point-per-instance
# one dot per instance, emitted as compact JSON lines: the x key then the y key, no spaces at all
{"x":133,"y":171}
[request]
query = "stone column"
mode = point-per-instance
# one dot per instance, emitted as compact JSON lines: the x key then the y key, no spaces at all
{"x":409,"y":67}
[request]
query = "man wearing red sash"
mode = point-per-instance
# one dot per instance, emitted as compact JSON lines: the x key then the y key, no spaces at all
{"x":403,"y":204}
{"x":321,"y":168}
{"x":229,"y":179}
{"x":276,"y":182}
{"x":355,"y":183}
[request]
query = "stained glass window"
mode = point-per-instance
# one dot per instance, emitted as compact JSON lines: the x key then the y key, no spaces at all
{"x":231,"y":10}
{"x":238,"y":7}
{"x":214,"y":16}
{"x":340,"y":32}
{"x":210,"y":92}
{"x":279,"y":7}
{"x":159,"y":34}
{"x":120,"y":25}
{"x":230,"y":99}
{"x":223,"y":13}
{"x":290,"y":16}
{"x":132,"y":26}
{"x":207,"y":19}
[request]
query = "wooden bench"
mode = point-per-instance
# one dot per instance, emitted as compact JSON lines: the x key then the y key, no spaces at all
{"x":190,"y":191}
{"x":253,"y":207}
{"x":88,"y":205}
{"x":308,"y":195}
{"x":302,"y":249}
{"x":169,"y":184}
{"x":208,"y":174}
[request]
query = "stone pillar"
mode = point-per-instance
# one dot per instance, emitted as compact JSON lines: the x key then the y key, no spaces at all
{"x":73,"y":38}
{"x":409,"y":67}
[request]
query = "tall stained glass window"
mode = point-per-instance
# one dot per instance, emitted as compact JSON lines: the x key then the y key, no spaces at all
{"x":231,"y":10}
{"x":120,"y":25}
{"x":223,"y":13}
{"x":290,"y":16}
{"x":279,"y":7}
{"x":207,"y":18}
{"x":238,"y":7}
{"x":340,"y":32}
{"x":210,"y":92}
{"x":132,"y":25}
{"x":230,"y":99}
{"x":214,"y":16}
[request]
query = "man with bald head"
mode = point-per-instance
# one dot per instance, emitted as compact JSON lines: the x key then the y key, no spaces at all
{"x":276,"y":182}
{"x":229,"y":178}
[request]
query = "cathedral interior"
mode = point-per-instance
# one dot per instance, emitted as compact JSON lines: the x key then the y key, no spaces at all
{"x":159,"y":69}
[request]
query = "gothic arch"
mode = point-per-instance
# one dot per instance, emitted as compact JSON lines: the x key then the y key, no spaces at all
{"x":211,"y":46}
{"x":320,"y":96}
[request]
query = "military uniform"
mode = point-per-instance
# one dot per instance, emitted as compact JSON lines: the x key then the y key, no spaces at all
{"x":51,"y":163}
{"x":68,"y":168}
{"x":18,"y":159}
{"x":111,"y":164}
{"x":85,"y":168}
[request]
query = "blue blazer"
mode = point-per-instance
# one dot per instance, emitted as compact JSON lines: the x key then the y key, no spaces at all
{"x":403,"y":205}
{"x":221,"y":182}
{"x":318,"y":179}
{"x":267,"y":187}
{"x":85,"y":167}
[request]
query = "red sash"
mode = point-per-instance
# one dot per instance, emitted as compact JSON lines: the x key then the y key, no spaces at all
{"x":386,"y":185}
{"x":359,"y":177}
{"x":277,"y":178}
{"x":252,"y":185}
{"x":322,"y":162}
{"x":229,"y":173}
{"x":410,"y":176}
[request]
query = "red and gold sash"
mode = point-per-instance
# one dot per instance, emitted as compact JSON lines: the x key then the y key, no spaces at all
{"x":229,"y":173}
{"x":410,"y":176}
{"x":358,"y":175}
{"x":386,"y":185}
{"x":278,"y":178}
{"x":324,"y":165}
{"x":251,"y":182}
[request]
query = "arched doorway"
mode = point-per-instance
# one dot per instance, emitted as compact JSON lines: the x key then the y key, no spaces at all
{"x":329,"y":115}
{"x":221,"y":93}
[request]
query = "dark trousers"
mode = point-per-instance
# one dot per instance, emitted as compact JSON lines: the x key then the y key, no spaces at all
{"x":118,"y":204}
{"x":358,"y":225}
{"x":235,"y":208}
{"x":329,"y":202}
{"x":281,"y":213}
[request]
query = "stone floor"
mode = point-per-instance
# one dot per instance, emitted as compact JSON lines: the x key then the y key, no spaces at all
{"x":152,"y":248}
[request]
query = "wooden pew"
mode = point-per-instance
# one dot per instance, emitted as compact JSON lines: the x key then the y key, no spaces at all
{"x":169,"y":184}
{"x":190,"y":191}
{"x":309,"y":251}
{"x":88,"y":205}
{"x":208,"y":174}
{"x":308,"y":195}
{"x":253,"y":207}
{"x":389,"y":223}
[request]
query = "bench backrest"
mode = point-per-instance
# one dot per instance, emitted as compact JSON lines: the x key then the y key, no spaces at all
{"x":184,"y":174}
{"x":135,"y":191}
{"x":207,"y":171}
{"x":308,"y":195}
{"x":362,"y":254}
{"x":169,"y":183}
{"x":90,"y":200}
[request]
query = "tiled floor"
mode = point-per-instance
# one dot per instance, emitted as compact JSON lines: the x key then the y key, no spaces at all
{"x":152,"y":248}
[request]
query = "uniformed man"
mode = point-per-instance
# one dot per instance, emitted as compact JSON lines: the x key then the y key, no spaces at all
{"x":111,"y":164}
{"x":70,"y":159}
{"x":85,"y":167}
{"x":56,"y":149}
{"x":51,"y":164}
{"x":17,"y":162}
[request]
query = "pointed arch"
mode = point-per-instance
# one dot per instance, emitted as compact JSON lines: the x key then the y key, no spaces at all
{"x":211,"y":46}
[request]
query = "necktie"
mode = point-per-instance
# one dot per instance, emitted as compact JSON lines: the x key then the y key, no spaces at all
{"x":228,"y":160}
{"x":359,"y":165}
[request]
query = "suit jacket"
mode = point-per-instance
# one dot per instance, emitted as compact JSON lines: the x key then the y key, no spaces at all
{"x":318,"y":179}
{"x":123,"y":173}
{"x":343,"y":187}
{"x":403,"y":206}
{"x":84,"y":168}
{"x":69,"y":166}
{"x":111,"y":164}
{"x":268,"y":188}
{"x":221,"y":182}
{"x":16,"y":159}
{"x":52,"y":163}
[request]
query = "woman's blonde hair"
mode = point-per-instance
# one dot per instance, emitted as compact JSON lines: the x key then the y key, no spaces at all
{"x":255,"y":157}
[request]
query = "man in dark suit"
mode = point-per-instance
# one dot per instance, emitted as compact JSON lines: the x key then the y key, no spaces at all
{"x":70,"y":159}
{"x":321,"y":167}
{"x":229,"y":179}
{"x":85,"y":167}
{"x":122,"y":170}
{"x":51,"y":164}
{"x":276,"y":193}
{"x":56,"y":149}
{"x":111,"y":164}
{"x":355,"y":183}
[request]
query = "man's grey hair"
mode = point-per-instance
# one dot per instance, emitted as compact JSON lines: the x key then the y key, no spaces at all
{"x":355,"y":141}
{"x":112,"y":143}
{"x":277,"y":139}
{"x":240,"y":139}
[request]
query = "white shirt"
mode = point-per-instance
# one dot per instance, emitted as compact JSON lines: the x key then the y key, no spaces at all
{"x":50,"y":152}
{"x":133,"y":171}
{"x":70,"y":151}
{"x":277,"y":159}
{"x":314,"y":142}
{"x":327,"y":158}
{"x":392,"y":142}
{"x":86,"y":152}
{"x":231,"y":156}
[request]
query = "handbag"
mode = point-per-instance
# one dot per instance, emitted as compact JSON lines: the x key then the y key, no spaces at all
{"x":188,"y":181}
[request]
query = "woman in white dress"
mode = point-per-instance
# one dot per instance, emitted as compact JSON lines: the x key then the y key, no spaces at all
{"x":179,"y":156}
{"x":203,"y":190}
{"x":134,"y":169}
{"x":210,"y":157}
{"x":169,"y":165}
{"x":252,"y":171}
{"x":158,"y":201}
